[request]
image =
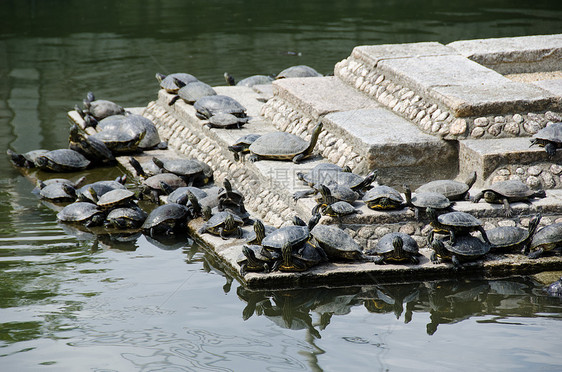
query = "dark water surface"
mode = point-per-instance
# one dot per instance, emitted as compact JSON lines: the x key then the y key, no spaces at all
{"x":72,"y":301}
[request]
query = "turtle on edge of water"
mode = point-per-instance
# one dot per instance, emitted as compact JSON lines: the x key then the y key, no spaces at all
{"x":506,"y":192}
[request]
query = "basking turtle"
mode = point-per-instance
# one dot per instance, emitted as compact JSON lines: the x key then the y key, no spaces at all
{"x":283,"y":146}
{"x":166,"y":219}
{"x":168,"y":82}
{"x":466,"y":248}
{"x":229,"y":196}
{"x":329,"y":174}
{"x":249,"y":81}
{"x":146,"y":169}
{"x":453,"y":190}
{"x":338,"y":193}
{"x":100,"y":108}
{"x":337,"y":243}
{"x":513,"y":238}
{"x":153,"y":186}
{"x":99,"y":188}
{"x":550,"y":137}
{"x":191,"y":92}
{"x":296,"y":235}
{"x":180,"y":195}
{"x":422,"y":201}
{"x":138,"y":123}
{"x":260,"y":231}
{"x":25,"y":160}
{"x":320,"y":174}
{"x":297,"y":72}
{"x":62,"y":160}
{"x":242,"y":145}
{"x":310,"y":254}
{"x":555,"y":288}
{"x":192,"y":171}
{"x":57,"y":192}
{"x":222,"y":224}
{"x":211,"y":105}
{"x":396,"y":247}
{"x":288,"y":262}
{"x":383,"y":198}
{"x":116,"y":198}
{"x":120,"y":141}
{"x":545,"y":240}
{"x":455,"y":224}
{"x":74,"y":184}
{"x":125,"y":218}
{"x":84,"y":213}
{"x":255,"y":258}
{"x":226,"y":121}
{"x":507,"y":192}
{"x":92,"y":148}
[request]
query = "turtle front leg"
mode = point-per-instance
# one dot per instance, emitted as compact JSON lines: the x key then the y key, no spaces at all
{"x":507,"y":208}
{"x":456,"y":263}
{"x":484,"y":235}
{"x":550,"y":149}
{"x":536,"y":254}
{"x":298,"y":158}
{"x":254,"y":157}
{"x":477,"y":197}
{"x":452,"y":237}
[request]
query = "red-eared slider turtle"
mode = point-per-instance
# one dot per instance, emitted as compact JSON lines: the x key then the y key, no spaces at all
{"x":25,"y":160}
{"x":297,"y":72}
{"x":146,"y":169}
{"x":180,"y":195}
{"x":330,"y":206}
{"x":152,"y":186}
{"x":125,"y":218}
{"x":242,"y":145}
{"x":137,"y":124}
{"x":513,"y":238}
{"x":383,"y":198}
{"x":57,"y":192}
{"x":422,"y":201}
{"x":120,"y":141}
{"x":212,"y":105}
{"x":192,"y":171}
{"x":255,"y":258}
{"x":226,"y":121}
{"x":545,"y":240}
{"x":310,"y":254}
{"x":549,"y":137}
{"x":466,"y":248}
{"x":259,"y":232}
{"x":337,"y":191}
{"x":223,"y":224}
{"x":229,"y":197}
{"x":337,"y":244}
{"x":168,"y":82}
{"x":283,"y":146}
{"x":92,"y":148}
{"x":296,"y":235}
{"x":319,"y":174}
{"x":99,"y":188}
{"x":191,"y":92}
{"x":453,"y":190}
{"x":455,"y":224}
{"x":249,"y":81}
{"x":396,"y":247}
{"x":555,"y":288}
{"x":328,"y":174}
{"x":62,"y":160}
{"x":508,"y":192}
{"x":84,"y":213}
{"x":288,"y":261}
{"x":101,"y":108}
{"x":116,"y":198}
{"x":166,"y":219}
{"x":74,"y":184}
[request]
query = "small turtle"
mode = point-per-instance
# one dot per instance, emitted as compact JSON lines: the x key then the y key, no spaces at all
{"x":507,"y":192}
{"x":99,"y":188}
{"x":320,"y":174}
{"x":242,"y":145}
{"x":283,"y":146}
{"x":328,"y":174}
{"x":550,"y":137}
{"x":146,"y":169}
{"x":229,"y":196}
{"x":545,"y":240}
{"x":116,"y":198}
{"x":298,"y":71}
{"x":396,"y":247}
{"x":74,"y":184}
{"x":92,"y":148}
{"x":62,"y":160}
{"x":555,"y":288}
{"x":57,"y":192}
{"x":249,"y":81}
{"x":420,"y":202}
{"x":330,"y":206}
{"x":288,"y":261}
{"x":311,"y":254}
{"x":466,"y":248}
{"x":191,"y":92}
{"x":296,"y":235}
{"x":259,"y":232}
{"x":222,"y":224}
{"x":120,"y":141}
{"x":383,"y":198}
{"x":192,"y":171}
{"x":455,"y":224}
{"x":180,"y":195}
{"x":168,"y":82}
{"x":338,"y":244}
{"x":167,"y":219}
{"x":337,"y":191}
{"x":153,"y":186}
{"x":84,"y":213}
{"x":513,"y":238}
{"x":211,"y":105}
{"x":25,"y":160}
{"x":226,"y":121}
{"x":255,"y":258}
{"x":453,"y":190}
{"x":100,"y":108}
{"x":125,"y":218}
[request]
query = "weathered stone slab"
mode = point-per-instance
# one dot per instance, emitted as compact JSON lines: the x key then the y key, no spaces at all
{"x":554,"y":86}
{"x":516,"y":54}
{"x":373,"y":54}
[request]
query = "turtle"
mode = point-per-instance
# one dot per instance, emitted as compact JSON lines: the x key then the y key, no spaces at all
{"x":288,"y":262}
{"x":120,"y":141}
{"x":180,"y":195}
{"x":255,"y":258}
{"x":168,"y":82}
{"x":226,"y":121}
{"x":513,"y":238}
{"x":138,"y":123}
{"x":27,"y":159}
{"x":92,"y":148}
{"x":298,"y":71}
{"x":550,"y":137}
{"x":555,"y":288}
{"x":420,"y":202}
{"x":222,"y":224}
{"x":507,"y":192}
{"x":191,"y":92}
{"x":455,"y":224}
{"x":229,"y":196}
{"x":466,"y":248}
{"x":242,"y":145}
{"x":396,"y":247}
{"x":328,"y":174}
{"x":283,"y":146}
{"x":328,"y":205}
{"x":100,"y":108}
{"x":112,"y":122}
{"x":84,"y":213}
{"x":74,"y":184}
{"x":310,"y":254}
{"x":125,"y":218}
{"x":545,"y":240}
{"x":211,"y":105}
{"x":57,"y":192}
{"x":259,"y":232}
{"x":337,"y":191}
{"x":250,"y":81}
{"x":192,"y":171}
{"x":383,"y":198}
{"x":116,"y":198}
{"x":296,"y":235}
{"x":152,"y":186}
{"x":99,"y":188}
{"x":62,"y":160}
{"x":146,"y":169}
{"x":337,"y":244}
{"x":453,"y":190}
{"x":167,"y":219}
{"x":320,"y":173}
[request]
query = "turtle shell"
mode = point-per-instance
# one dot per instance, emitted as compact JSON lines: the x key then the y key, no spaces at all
{"x":218,"y":219}
{"x":62,"y":160}
{"x":468,"y":247}
{"x":99,"y":187}
{"x":79,"y":212}
{"x":342,"y":193}
{"x":458,"y":219}
{"x":548,"y":238}
{"x":339,"y":208}
{"x":430,"y":199}
{"x":151,"y":137}
{"x":110,"y":123}
{"x":294,"y":235}
{"x":551,"y":133}
{"x":504,"y":237}
{"x":281,"y":145}
{"x":298,"y":72}
{"x":92,"y":148}
{"x":259,"y":253}
{"x":166,"y":214}
{"x":101,"y":108}
{"x":27,"y":159}
{"x":337,"y":243}
{"x":181,"y":167}
{"x":512,"y":189}
{"x":193,"y":91}
{"x":453,"y":190}
{"x":180,"y":193}
{"x":383,"y":197}
{"x":212,"y":105}
{"x":58,"y":192}
{"x":167,"y":81}
{"x":116,"y":197}
{"x":320,"y":174}
{"x":172,"y":180}
{"x":385,"y":244}
{"x":250,"y":81}
{"x":120,"y":140}
{"x":126,"y":218}
{"x":555,"y":288}
{"x":223,"y":120}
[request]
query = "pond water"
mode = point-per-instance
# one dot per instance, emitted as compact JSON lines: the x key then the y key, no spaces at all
{"x":74,"y":301}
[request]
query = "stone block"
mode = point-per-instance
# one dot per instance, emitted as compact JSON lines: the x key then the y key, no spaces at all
{"x":371,"y":55}
{"x":554,"y":86}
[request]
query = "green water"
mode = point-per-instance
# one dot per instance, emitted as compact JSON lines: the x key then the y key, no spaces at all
{"x":71,"y":301}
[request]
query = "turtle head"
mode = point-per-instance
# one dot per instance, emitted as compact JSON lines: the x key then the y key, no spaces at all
{"x":287,"y":253}
{"x":90,"y":121}
{"x":534,"y":223}
{"x":157,"y":162}
{"x":229,"y":79}
{"x":431,"y":213}
{"x":248,"y":253}
{"x":160,"y":77}
{"x":297,"y":221}
{"x":194,"y":203}
{"x":227,"y":185}
{"x":137,"y":167}
{"x":398,"y":244}
{"x":314,"y":138}
{"x":179,"y":83}
{"x":408,"y":194}
{"x":229,"y":223}
{"x":491,"y":197}
{"x":471,"y":179}
{"x":207,"y":213}
{"x":369,"y":179}
{"x":438,"y":246}
{"x":70,"y":190}
{"x":259,"y":229}
{"x":314,"y":220}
